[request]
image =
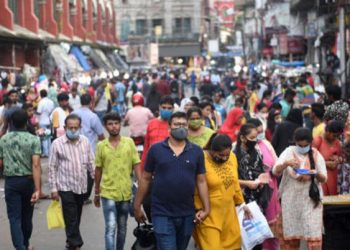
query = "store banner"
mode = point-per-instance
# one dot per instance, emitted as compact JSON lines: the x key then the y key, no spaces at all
{"x":154,"y":54}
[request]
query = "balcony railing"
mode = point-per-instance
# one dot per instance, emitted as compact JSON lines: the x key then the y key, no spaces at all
{"x":173,"y":38}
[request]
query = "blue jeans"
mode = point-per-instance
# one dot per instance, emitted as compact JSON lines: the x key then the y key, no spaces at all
{"x":173,"y":233}
{"x":18,"y":192}
{"x":116,"y":215}
{"x":45,"y":142}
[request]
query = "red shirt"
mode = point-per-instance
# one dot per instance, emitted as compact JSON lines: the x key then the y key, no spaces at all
{"x":157,"y":130}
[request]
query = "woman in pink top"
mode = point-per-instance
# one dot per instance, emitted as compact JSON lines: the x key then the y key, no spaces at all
{"x":269,"y":158}
{"x":330,"y":148}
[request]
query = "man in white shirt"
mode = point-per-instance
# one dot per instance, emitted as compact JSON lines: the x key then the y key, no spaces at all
{"x":44,"y":110}
{"x":101,"y":101}
{"x":74,"y":99}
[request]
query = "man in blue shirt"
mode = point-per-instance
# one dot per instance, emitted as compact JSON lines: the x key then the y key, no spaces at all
{"x":177,"y":167}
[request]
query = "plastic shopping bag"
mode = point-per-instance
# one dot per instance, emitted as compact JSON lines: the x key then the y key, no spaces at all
{"x":54,"y":215}
{"x":253,"y":231}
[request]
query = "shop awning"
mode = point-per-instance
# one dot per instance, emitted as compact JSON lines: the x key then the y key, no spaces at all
{"x":56,"y":57}
{"x":179,"y":50}
{"x":117,"y":62}
{"x":81,"y":58}
{"x":100,"y":59}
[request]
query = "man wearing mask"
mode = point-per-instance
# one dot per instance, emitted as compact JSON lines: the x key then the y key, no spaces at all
{"x":178,"y":167}
{"x":68,"y":176}
{"x":116,"y":160}
{"x":157,"y":130}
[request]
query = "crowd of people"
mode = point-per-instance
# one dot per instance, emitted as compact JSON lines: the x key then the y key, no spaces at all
{"x":193,"y":158}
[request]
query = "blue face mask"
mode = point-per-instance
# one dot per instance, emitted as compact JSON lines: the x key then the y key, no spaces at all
{"x":73,"y":135}
{"x":303,"y":150}
{"x":261,"y":136}
{"x":165,"y":114}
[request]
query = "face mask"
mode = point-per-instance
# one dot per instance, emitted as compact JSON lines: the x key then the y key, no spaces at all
{"x":73,"y":135}
{"x":278,"y":121}
{"x":261,"y":136}
{"x":264,"y":115}
{"x":303,"y":150}
{"x":165,"y":114}
{"x":250,"y":144}
{"x":219,"y":160}
{"x":179,"y":134}
{"x":195,"y":123}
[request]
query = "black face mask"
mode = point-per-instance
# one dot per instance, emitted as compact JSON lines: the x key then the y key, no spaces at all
{"x":219,"y":160}
{"x":251,"y":145}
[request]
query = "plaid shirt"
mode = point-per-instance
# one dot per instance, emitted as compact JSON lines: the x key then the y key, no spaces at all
{"x":69,"y":163}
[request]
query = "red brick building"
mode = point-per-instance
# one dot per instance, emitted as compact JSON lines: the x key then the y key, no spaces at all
{"x":28,"y":26}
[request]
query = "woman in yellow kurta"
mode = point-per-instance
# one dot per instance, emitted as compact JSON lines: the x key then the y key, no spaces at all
{"x":220,"y":230}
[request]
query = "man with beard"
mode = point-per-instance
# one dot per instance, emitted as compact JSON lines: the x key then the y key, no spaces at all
{"x":116,"y":159}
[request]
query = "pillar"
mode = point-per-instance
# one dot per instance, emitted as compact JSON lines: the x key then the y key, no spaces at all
{"x":6,"y":15}
{"x":66,"y":28}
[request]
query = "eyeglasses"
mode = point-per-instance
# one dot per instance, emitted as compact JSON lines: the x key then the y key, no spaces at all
{"x":179,"y":125}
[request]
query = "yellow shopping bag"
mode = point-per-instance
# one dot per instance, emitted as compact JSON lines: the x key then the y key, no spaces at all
{"x":54,"y":215}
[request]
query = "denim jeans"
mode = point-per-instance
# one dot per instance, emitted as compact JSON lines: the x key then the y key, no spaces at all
{"x":116,"y":215}
{"x":18,"y":193}
{"x":173,"y":233}
{"x":45,"y":143}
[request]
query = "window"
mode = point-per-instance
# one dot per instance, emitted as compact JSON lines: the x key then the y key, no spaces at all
{"x":156,"y":23}
{"x":187,"y":25}
{"x":124,"y":1}
{"x":141,"y":27}
{"x":182,"y":25}
{"x":178,"y":25}
{"x":37,"y":9}
{"x":125,"y":29}
{"x":14,"y":8}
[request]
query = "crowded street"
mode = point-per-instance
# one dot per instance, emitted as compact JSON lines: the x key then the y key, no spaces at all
{"x":175,"y":125}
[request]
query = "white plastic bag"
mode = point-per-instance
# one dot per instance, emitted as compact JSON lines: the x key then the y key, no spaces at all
{"x":253,"y":231}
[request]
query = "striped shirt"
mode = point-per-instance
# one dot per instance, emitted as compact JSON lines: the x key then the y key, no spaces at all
{"x":69,"y":163}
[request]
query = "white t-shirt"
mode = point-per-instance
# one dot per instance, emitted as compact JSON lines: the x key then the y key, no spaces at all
{"x":45,"y":107}
{"x":74,"y":102}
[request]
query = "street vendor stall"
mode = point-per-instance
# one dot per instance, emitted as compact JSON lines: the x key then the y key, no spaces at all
{"x":336,"y":216}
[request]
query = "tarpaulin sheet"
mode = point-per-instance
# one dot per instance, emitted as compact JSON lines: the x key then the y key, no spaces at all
{"x":81,"y":58}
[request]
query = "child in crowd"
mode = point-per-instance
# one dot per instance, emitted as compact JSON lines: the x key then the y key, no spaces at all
{"x":344,"y":172}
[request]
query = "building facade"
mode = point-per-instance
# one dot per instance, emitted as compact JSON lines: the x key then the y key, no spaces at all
{"x":175,"y":25}
{"x":28,"y":26}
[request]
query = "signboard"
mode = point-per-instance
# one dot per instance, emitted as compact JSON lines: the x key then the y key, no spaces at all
{"x":136,"y":53}
{"x":213,"y":46}
{"x":154,"y":54}
{"x":225,"y":12}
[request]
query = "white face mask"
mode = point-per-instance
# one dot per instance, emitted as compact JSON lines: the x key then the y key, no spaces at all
{"x":261,"y":136}
{"x":303,"y":150}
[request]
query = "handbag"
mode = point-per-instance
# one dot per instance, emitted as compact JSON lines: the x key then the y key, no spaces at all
{"x":145,"y":238}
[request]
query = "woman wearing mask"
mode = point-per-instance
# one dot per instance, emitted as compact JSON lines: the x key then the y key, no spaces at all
{"x":330,"y":148}
{"x":273,"y":120}
{"x":232,"y":124}
{"x":197,"y":132}
{"x":185,"y":105}
{"x":283,"y":135}
{"x":251,"y":172}
{"x":221,"y":228}
{"x":269,"y":159}
{"x":300,"y":193}
{"x":262,"y":114}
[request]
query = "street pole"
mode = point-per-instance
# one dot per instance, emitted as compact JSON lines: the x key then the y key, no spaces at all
{"x":243,"y":39}
{"x":342,"y":51}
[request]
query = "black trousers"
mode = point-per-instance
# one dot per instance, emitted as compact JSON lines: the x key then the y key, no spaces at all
{"x":72,"y":206}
